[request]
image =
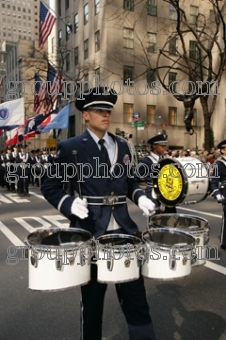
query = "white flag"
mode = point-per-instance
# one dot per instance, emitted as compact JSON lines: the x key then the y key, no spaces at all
{"x":12,"y":113}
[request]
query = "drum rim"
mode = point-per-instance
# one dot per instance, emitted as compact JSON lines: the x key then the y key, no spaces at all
{"x":117,"y":235}
{"x":163,"y":246}
{"x":72,"y":246}
{"x":198,"y":218}
{"x":183,"y":193}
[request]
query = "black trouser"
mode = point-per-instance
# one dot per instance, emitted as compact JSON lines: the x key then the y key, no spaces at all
{"x":23,"y":184}
{"x":223,"y":227}
{"x":132,"y":298}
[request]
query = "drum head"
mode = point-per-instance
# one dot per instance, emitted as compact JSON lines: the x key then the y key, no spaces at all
{"x":171,"y":184}
{"x":188,"y":223}
{"x":167,"y":237}
{"x":114,"y":240}
{"x":57,"y":237}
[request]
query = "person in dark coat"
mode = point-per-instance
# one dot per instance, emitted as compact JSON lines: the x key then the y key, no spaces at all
{"x":218,"y":188}
{"x":105,"y":185}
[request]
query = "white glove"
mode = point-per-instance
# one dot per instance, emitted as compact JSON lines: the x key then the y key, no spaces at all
{"x":220,"y":198}
{"x":79,"y":208}
{"x":146,"y":205}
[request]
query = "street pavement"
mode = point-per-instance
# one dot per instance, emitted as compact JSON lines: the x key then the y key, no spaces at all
{"x":192,"y":307}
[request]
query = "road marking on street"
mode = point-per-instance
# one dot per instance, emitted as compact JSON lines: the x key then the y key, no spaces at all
{"x":36,"y":195}
{"x":216,"y":267}
{"x":200,"y":212}
{"x":11,"y":236}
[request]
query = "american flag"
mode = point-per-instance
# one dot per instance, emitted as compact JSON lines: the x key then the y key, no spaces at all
{"x":39,"y":95}
{"x":46,"y":22}
{"x":55,"y":85}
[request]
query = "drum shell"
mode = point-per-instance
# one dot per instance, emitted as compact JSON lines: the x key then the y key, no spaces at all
{"x":60,"y":267}
{"x":118,"y":264}
{"x":195,"y":180}
{"x":167,"y":265}
{"x":196,"y":226}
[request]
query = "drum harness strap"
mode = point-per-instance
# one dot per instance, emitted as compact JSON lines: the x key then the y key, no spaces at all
{"x":150,"y":184}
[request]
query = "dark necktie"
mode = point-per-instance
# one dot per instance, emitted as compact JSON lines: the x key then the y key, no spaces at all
{"x":104,"y":153}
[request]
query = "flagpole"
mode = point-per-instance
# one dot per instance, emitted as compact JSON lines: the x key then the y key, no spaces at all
{"x":70,"y":25}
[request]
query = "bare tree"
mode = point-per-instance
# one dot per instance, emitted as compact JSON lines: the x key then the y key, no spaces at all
{"x":199,"y":55}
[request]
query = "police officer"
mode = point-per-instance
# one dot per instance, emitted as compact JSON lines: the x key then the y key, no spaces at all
{"x":158,"y":146}
{"x":2,"y":169}
{"x":218,"y":187}
{"x":96,"y":214}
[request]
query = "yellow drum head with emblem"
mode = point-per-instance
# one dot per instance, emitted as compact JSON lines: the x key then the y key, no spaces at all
{"x":170,"y":185}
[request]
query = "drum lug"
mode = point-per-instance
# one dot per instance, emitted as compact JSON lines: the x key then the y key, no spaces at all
{"x":197,"y":241}
{"x":34,"y":260}
{"x":172,"y":263}
{"x":71,"y":260}
{"x":110,"y":264}
{"x":82,"y":259}
{"x":59,"y":264}
{"x":184,"y":261}
{"x":127,"y":263}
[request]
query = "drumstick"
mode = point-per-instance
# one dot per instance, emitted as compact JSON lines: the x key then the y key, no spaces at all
{"x":75,"y":152}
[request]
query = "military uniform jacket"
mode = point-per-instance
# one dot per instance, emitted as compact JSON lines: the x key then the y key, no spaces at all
{"x":89,"y":153}
{"x":148,"y":168}
{"x":218,"y":181}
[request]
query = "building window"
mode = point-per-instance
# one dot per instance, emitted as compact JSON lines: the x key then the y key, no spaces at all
{"x":128,"y":4}
{"x":66,"y":4}
{"x":172,"y":116}
{"x":76,"y":56}
{"x":152,"y":7}
{"x":151,"y":77}
{"x":97,"y":76}
{"x":60,"y":38}
{"x":193,"y":50}
{"x":97,"y":6}
{"x":59,"y":7}
{"x":173,"y":46}
{"x":127,"y":113}
{"x":86,"y":48}
{"x":172,"y":82}
{"x":68,"y":30}
{"x":172,"y":12}
{"x":194,"y":12}
{"x":86,"y":13}
{"x":128,"y":73}
{"x":127,"y":37}
{"x":97,"y":41}
{"x":86,"y":82}
{"x":76,"y":23}
{"x":151,"y":114}
{"x":151,"y":42}
{"x":68,"y":62}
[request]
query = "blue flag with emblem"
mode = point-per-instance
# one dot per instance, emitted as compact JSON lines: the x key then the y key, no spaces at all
{"x":12,"y":113}
{"x":60,"y":121}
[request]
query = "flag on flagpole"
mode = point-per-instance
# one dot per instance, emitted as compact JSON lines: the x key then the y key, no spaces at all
{"x":11,"y":137}
{"x":12,"y":113}
{"x":32,"y":124}
{"x":40,"y":94}
{"x":46,"y":23}
{"x":46,"y":121}
{"x":60,"y":121}
{"x":55,"y":84}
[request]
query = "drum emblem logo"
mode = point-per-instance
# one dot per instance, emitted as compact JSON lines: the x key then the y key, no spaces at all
{"x":4,"y":114}
{"x":170,"y":182}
